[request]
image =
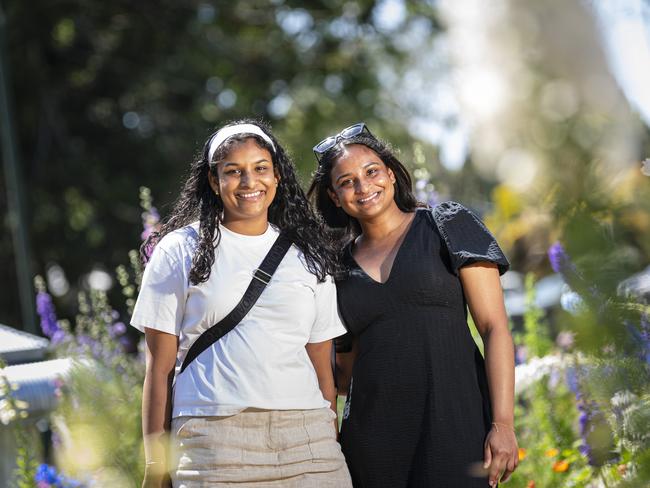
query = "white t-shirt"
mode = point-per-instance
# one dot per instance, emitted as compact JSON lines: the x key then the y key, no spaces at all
{"x":262,"y":362}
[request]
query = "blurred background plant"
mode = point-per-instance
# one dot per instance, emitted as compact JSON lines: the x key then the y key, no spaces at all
{"x":534,"y":114}
{"x":96,"y":426}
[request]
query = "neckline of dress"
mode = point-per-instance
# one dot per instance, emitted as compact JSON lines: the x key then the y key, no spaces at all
{"x":397,"y":254}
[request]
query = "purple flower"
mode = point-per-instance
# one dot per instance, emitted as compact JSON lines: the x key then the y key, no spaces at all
{"x":521,"y":354}
{"x":573,"y":381}
{"x":150,"y":219}
{"x":88,"y":345}
{"x":560,"y":261}
{"x":45,"y":309}
{"x":597,"y":441}
{"x":148,"y":248}
{"x":117,"y":329}
{"x":58,"y":337}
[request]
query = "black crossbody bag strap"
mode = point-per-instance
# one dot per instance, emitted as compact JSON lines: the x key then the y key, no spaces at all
{"x":261,"y":278}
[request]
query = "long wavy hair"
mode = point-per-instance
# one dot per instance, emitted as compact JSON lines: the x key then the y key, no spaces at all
{"x":346,"y":227}
{"x":289,"y":211}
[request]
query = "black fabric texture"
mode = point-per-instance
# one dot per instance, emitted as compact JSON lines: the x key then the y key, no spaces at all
{"x":418,"y":408}
{"x":466,"y":237}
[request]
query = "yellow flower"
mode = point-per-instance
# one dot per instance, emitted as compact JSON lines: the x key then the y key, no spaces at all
{"x":552,"y":452}
{"x":560,"y":466}
{"x":522,"y":453}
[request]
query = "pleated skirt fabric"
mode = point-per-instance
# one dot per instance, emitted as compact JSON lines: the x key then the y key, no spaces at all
{"x":259,"y":449}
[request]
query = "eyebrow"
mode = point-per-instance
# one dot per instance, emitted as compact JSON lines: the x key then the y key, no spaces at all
{"x":263,"y":160}
{"x":364,"y":167}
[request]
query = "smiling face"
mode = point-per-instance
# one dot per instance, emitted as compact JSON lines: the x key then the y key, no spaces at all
{"x":361,"y":184}
{"x":246,"y":182}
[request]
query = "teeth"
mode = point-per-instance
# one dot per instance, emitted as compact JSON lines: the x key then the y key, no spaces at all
{"x":255,"y":194}
{"x":364,"y":200}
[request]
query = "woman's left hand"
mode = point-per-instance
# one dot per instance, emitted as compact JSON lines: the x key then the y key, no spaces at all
{"x":501,"y":454}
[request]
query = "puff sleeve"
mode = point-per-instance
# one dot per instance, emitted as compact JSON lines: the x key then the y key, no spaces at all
{"x":466,"y":237}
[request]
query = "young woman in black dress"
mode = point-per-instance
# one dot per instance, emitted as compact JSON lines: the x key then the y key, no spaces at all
{"x":424,"y":409}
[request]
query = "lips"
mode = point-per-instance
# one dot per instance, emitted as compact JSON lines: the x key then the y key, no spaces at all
{"x":369,"y":198}
{"x":249,"y":196}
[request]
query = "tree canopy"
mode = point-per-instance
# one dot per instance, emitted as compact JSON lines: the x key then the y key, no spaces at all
{"x":112,"y":96}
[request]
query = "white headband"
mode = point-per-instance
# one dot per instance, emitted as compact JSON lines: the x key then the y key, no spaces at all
{"x":232,"y":130}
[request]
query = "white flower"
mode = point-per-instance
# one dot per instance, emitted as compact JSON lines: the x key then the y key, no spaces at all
{"x":7,"y":414}
{"x":623,"y":399}
{"x":534,"y":370}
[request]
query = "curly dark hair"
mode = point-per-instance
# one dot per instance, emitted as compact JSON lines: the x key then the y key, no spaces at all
{"x":290,"y":210}
{"x":346,"y":227}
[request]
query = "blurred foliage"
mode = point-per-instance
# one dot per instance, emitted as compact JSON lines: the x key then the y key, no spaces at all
{"x":14,"y":413}
{"x":111,"y":96}
{"x":103,"y":391}
{"x":581,"y":419}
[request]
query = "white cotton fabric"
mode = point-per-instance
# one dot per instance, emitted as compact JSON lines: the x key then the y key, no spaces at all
{"x":262,"y":362}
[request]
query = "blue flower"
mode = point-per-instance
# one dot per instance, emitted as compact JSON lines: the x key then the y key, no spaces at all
{"x":46,"y":476}
{"x":46,"y":473}
{"x":641,"y":336}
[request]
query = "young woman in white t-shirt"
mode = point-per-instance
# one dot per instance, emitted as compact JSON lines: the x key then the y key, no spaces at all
{"x":257,"y":408}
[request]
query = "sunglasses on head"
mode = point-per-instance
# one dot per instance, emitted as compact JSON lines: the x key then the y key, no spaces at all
{"x":329,"y":142}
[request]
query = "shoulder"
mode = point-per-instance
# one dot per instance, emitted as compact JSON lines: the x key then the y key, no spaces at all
{"x":452,"y":216}
{"x":179,"y":243}
{"x":450,"y":210}
{"x":466,"y":237}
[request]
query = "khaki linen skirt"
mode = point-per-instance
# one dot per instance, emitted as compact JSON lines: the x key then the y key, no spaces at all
{"x":259,"y":448}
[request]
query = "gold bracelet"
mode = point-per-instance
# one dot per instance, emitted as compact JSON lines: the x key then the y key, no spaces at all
{"x":496,"y":426}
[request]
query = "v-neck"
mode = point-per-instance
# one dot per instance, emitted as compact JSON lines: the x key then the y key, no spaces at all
{"x":397,"y":254}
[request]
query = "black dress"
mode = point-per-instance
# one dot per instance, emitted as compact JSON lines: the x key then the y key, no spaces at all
{"x":418,"y":408}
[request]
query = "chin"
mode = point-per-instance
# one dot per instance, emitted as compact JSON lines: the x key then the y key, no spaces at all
{"x":372,"y":210}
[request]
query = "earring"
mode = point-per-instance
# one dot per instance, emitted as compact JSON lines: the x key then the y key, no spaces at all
{"x":216,"y":192}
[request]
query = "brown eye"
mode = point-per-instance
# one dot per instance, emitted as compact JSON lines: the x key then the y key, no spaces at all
{"x":345,"y":183}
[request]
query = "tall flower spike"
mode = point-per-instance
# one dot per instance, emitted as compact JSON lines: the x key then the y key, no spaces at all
{"x":560,"y":261}
{"x":45,"y":309}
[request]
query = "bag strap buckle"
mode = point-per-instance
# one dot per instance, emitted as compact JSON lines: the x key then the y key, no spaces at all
{"x":262,"y":276}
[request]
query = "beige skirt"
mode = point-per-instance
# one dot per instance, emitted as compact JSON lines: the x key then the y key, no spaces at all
{"x":259,"y":448}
